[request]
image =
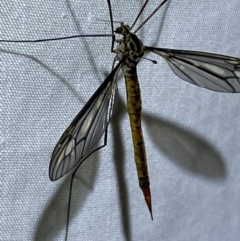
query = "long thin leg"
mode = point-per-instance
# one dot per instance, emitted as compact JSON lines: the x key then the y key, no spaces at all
{"x":139,"y":14}
{"x":111,"y":20}
{"x":157,"y":8}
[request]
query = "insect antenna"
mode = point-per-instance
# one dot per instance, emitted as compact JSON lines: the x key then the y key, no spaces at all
{"x":143,"y":23}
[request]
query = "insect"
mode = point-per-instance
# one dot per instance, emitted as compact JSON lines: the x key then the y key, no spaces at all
{"x":215,"y":72}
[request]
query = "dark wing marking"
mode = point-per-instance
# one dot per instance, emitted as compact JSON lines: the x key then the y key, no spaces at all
{"x":80,"y":138}
{"x":212,"y":71}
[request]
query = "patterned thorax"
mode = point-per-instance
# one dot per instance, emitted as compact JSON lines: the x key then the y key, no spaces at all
{"x":130,"y":46}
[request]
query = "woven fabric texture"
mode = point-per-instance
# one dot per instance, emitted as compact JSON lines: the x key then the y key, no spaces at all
{"x":192,"y":134}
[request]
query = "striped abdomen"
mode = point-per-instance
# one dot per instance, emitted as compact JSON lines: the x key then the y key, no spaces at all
{"x":134,"y":107}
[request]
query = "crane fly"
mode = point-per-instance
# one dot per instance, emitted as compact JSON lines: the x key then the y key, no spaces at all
{"x":211,"y":71}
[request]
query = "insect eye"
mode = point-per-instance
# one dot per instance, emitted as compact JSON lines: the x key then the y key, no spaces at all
{"x":119,"y":30}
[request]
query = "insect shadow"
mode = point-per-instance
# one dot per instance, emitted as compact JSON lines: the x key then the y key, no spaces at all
{"x":43,"y":65}
{"x":185,"y":148}
{"x":53,"y":219}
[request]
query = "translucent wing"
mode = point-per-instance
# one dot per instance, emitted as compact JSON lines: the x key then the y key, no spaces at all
{"x":212,"y":71}
{"x":80,"y":138}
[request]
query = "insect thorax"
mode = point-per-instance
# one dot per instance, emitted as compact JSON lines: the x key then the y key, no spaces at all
{"x":130,"y":46}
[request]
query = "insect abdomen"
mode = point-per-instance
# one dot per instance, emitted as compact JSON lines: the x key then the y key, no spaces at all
{"x":134,"y":107}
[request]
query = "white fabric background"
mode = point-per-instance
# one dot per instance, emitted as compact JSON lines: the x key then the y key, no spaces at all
{"x":192,"y":135}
